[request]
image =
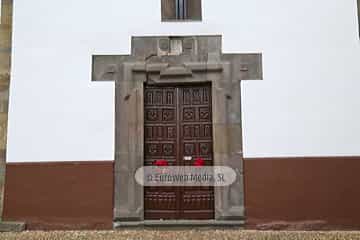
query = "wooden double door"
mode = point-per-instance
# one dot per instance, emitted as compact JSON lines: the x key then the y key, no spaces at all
{"x":178,"y":129}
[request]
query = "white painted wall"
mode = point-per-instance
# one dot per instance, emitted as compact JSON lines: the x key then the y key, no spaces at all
{"x":307,"y":105}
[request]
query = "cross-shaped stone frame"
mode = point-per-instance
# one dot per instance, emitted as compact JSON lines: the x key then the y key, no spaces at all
{"x":188,"y":59}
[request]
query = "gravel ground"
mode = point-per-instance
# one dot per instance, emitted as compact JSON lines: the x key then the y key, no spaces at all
{"x":185,"y":234}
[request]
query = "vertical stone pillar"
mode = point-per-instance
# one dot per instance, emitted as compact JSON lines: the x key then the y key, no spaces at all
{"x":129,"y":156}
{"x":5,"y":67}
{"x":5,"y":64}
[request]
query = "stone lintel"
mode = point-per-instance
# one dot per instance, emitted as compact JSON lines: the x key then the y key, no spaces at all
{"x":200,"y":53}
{"x":204,"y":66}
{"x":156,"y":67}
{"x":243,"y":67}
{"x":175,"y":71}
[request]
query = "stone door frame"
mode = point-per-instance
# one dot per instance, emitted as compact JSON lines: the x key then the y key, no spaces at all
{"x":200,"y":60}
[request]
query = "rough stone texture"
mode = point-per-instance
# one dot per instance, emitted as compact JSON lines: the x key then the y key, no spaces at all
{"x":293,"y":226}
{"x":5,"y":60}
{"x":6,"y":12}
{"x":180,"y":223}
{"x":12,"y":226}
{"x":153,"y":62}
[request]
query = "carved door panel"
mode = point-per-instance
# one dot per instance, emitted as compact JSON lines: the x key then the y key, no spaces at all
{"x":196,"y":142}
{"x":178,"y":129}
{"x":161,"y":141}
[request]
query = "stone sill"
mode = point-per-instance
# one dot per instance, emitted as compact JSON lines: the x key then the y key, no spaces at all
{"x":180,"y":223}
{"x":12,"y":226}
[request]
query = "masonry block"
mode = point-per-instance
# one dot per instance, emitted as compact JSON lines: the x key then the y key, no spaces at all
{"x":12,"y":227}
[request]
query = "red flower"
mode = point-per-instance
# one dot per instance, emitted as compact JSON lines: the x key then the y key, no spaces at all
{"x":161,"y":163}
{"x":199,"y":162}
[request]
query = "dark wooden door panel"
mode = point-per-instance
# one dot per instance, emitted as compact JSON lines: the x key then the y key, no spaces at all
{"x":178,"y":124}
{"x":196,"y":142}
{"x":161,"y":141}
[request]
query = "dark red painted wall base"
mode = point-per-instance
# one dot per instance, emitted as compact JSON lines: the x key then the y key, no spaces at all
{"x":280,"y":193}
{"x":303,"y":193}
{"x":49,"y":196}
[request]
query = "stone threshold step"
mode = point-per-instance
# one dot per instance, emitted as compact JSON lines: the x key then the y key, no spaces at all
{"x":180,"y":223}
{"x":12,"y":226}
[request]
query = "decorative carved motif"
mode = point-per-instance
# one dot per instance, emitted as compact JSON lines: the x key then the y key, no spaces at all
{"x":196,"y":96}
{"x":205,"y":149}
{"x":207,"y":131}
{"x":158,"y":97}
{"x":206,"y":96}
{"x":171,"y":132}
{"x":149,"y":98}
{"x":168,"y":149}
{"x":189,"y":149}
{"x":186,"y":96}
{"x":187,"y":131}
{"x":168,"y":115}
{"x":194,"y":131}
{"x":189,"y":114}
{"x":152,"y":149}
{"x":204,"y":113}
{"x":169,"y":98}
{"x":151,"y":115}
{"x":160,"y":200}
{"x":160,"y":132}
{"x":199,"y":200}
